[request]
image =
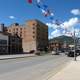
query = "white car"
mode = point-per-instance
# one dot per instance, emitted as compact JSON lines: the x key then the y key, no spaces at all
{"x":53,"y":52}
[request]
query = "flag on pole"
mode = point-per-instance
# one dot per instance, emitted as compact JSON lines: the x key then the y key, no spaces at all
{"x":45,"y":12}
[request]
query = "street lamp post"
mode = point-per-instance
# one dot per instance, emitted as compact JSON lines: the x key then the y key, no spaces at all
{"x":74,"y":47}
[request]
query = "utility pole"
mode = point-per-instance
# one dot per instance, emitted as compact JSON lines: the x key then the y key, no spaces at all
{"x":74,"y":47}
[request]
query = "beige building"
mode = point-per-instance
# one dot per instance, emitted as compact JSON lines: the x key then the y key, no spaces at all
{"x":34,"y":35}
{"x":9,"y":43}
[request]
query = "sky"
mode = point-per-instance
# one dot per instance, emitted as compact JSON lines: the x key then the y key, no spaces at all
{"x":67,"y":12}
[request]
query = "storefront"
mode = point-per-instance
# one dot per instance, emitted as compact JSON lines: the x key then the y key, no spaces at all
{"x":3,"y":43}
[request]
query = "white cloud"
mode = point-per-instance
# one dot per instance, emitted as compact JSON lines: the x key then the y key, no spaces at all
{"x":11,"y":17}
{"x":71,"y":23}
{"x":50,"y":37}
{"x":69,"y":26}
{"x":68,"y":34}
{"x":75,"y":11}
{"x":38,"y":1}
{"x":65,"y":25}
{"x":65,"y":28}
{"x":52,"y":14}
{"x":52,"y":25}
{"x":55,"y":33}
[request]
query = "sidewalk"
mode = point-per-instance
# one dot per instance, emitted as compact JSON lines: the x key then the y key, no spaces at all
{"x":70,"y":72}
{"x":3,"y":57}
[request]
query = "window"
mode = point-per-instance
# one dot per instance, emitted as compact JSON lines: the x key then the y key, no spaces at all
{"x":20,"y":35}
{"x":2,"y":42}
{"x":34,"y":24}
{"x":13,"y":32}
{"x":16,"y":32}
{"x":33,"y":27}
{"x":33,"y":36}
{"x":33,"y":32}
{"x":21,"y":32}
{"x":16,"y":29}
{"x":21,"y":29}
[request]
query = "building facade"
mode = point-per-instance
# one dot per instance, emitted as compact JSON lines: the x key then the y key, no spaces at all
{"x":37,"y":35}
{"x":3,"y":43}
{"x":55,"y":45}
{"x":9,"y":43}
{"x":34,"y":35}
{"x":15,"y":44}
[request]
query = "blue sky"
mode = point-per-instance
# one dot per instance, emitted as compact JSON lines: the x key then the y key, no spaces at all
{"x":20,"y":10}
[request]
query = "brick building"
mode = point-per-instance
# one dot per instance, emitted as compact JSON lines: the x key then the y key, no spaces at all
{"x":34,"y":35}
{"x":54,"y":45}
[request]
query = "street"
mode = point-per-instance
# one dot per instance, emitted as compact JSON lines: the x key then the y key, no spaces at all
{"x":32,"y":68}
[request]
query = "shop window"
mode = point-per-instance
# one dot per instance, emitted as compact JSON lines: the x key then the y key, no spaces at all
{"x":3,"y":42}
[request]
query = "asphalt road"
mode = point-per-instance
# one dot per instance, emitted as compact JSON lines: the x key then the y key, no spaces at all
{"x":32,"y":68}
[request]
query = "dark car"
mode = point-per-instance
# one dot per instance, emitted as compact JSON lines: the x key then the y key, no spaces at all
{"x":71,"y":53}
{"x":78,"y":51}
{"x":32,"y":51}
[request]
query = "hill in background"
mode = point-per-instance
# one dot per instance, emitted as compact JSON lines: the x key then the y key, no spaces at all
{"x":62,"y":39}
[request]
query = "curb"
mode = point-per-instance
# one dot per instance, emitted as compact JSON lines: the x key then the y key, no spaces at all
{"x":6,"y":58}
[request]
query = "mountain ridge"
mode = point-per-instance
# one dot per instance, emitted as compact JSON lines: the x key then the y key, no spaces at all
{"x":62,"y":39}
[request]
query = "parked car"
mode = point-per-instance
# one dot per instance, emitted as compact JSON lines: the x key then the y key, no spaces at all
{"x":38,"y":53}
{"x":66,"y":52}
{"x":53,"y":52}
{"x":32,"y":51}
{"x":71,"y":53}
{"x":78,"y":51}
